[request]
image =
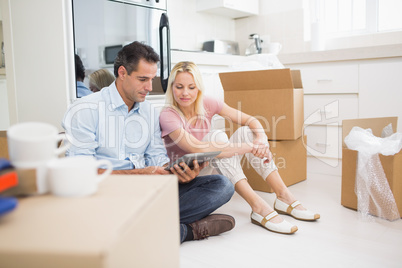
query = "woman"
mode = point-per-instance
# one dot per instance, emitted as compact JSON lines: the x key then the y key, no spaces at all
{"x":186,"y":128}
{"x":100,"y":79}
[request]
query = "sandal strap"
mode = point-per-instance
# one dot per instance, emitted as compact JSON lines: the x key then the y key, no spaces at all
{"x":269,"y":217}
{"x":292,"y":206}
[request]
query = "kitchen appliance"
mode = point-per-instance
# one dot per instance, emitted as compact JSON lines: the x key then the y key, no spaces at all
{"x":107,"y":55}
{"x":103,"y":27}
{"x":221,"y":46}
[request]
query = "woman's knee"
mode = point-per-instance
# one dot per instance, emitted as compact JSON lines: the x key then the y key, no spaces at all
{"x":219,"y":136}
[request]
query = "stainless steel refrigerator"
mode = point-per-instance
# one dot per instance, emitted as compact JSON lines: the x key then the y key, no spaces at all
{"x":102,"y":27}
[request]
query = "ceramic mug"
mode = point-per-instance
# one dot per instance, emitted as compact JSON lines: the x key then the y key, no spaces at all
{"x":274,"y":48}
{"x":76,"y":176}
{"x":32,"y":144}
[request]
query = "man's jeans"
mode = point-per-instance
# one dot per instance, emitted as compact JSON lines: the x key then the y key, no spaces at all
{"x":200,"y":197}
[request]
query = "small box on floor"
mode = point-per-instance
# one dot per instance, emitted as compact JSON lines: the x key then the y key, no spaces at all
{"x":274,"y":97}
{"x":3,"y":145}
{"x":291,"y":159}
{"x":392,"y":164}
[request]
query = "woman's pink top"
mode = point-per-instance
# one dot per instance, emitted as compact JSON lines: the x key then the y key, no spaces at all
{"x":170,"y":120}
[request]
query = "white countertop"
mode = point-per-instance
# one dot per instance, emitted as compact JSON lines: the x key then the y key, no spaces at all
{"x":361,"y":53}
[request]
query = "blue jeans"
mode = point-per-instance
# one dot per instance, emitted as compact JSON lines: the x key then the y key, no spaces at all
{"x":200,"y":197}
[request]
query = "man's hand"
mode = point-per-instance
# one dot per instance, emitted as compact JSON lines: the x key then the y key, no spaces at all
{"x":153,"y":170}
{"x":185,"y":173}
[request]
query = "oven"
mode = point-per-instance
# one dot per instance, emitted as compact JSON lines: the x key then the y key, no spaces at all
{"x":102,"y":27}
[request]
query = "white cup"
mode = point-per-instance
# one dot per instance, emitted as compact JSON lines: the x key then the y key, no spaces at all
{"x":32,"y":144}
{"x":274,"y":48}
{"x":76,"y":176}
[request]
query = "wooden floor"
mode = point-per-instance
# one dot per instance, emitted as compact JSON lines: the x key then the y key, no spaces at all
{"x":339,"y":239}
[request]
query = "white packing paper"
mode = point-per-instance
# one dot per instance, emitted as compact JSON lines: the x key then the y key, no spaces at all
{"x":371,"y":183}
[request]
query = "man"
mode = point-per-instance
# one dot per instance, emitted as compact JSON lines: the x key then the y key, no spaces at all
{"x":82,"y":89}
{"x":117,"y":124}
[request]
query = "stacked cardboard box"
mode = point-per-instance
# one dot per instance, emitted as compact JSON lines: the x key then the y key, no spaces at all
{"x":275,"y":98}
{"x":392,"y":164}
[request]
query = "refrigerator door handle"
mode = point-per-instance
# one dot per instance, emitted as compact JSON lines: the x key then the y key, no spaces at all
{"x":164,"y":50}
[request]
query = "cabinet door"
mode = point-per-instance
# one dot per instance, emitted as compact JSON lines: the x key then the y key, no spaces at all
{"x":324,"y":141}
{"x":325,"y":109}
{"x":380,"y":93}
{"x":329,"y":79}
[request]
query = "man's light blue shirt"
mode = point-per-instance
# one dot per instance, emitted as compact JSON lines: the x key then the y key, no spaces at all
{"x":82,"y":89}
{"x":100,"y":125}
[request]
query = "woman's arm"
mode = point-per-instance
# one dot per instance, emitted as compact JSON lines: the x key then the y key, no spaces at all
{"x":244,"y":119}
{"x":191,"y":144}
{"x":260,"y":141}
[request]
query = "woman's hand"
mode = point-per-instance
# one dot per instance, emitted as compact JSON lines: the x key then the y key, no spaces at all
{"x":261,"y":150}
{"x":185,"y":174}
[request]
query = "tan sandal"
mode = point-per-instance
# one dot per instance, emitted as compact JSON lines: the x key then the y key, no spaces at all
{"x":283,"y":227}
{"x":304,"y":215}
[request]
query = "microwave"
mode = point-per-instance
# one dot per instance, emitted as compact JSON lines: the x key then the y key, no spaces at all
{"x":107,"y":54}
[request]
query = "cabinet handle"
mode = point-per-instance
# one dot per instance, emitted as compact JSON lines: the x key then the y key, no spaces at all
{"x":325,"y":112}
{"x":320,"y":144}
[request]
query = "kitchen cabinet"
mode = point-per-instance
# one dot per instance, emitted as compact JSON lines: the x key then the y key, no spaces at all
{"x":229,"y":8}
{"x":331,"y":93}
{"x":347,"y":89}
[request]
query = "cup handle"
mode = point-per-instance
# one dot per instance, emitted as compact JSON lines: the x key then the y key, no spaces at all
{"x":65,"y":146}
{"x":108,"y":170}
{"x":280,"y":47}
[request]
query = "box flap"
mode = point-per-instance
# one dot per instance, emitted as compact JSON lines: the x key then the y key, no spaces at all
{"x":297,"y":80}
{"x":264,"y":79}
{"x":376,"y":125}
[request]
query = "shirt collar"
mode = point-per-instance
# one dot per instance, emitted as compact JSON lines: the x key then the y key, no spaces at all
{"x":117,"y":101}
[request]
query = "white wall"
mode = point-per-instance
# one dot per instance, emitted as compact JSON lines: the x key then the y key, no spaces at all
{"x":39,"y":59}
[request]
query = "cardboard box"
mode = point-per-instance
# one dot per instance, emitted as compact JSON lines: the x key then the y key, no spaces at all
{"x":3,"y":145}
{"x":291,"y":159}
{"x":274,"y":97}
{"x":392,"y":165}
{"x":132,"y":221}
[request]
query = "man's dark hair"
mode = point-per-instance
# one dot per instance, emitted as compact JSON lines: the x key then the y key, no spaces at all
{"x":79,"y":68}
{"x":130,"y":55}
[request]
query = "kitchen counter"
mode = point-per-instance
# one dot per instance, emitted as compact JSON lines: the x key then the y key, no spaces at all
{"x":361,"y":53}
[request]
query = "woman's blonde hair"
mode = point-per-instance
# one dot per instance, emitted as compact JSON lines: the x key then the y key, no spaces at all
{"x":189,"y":67}
{"x":100,"y":79}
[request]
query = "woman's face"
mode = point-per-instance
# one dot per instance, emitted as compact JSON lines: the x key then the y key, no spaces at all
{"x":185,"y":91}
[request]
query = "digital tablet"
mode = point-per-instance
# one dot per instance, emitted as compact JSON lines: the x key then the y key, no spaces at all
{"x":189,"y":158}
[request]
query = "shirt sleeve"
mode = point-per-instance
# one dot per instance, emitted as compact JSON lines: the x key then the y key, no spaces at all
{"x":212,"y":105}
{"x":170,"y":120}
{"x":80,"y":124}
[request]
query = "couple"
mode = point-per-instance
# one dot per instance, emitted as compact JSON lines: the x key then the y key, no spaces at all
{"x":110,"y":124}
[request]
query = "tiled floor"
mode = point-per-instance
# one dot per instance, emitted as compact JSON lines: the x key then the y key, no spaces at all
{"x":339,"y":239}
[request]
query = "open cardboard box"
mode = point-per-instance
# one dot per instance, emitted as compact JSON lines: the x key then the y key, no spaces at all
{"x":392,"y":165}
{"x":291,"y":160}
{"x":274,"y":97}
